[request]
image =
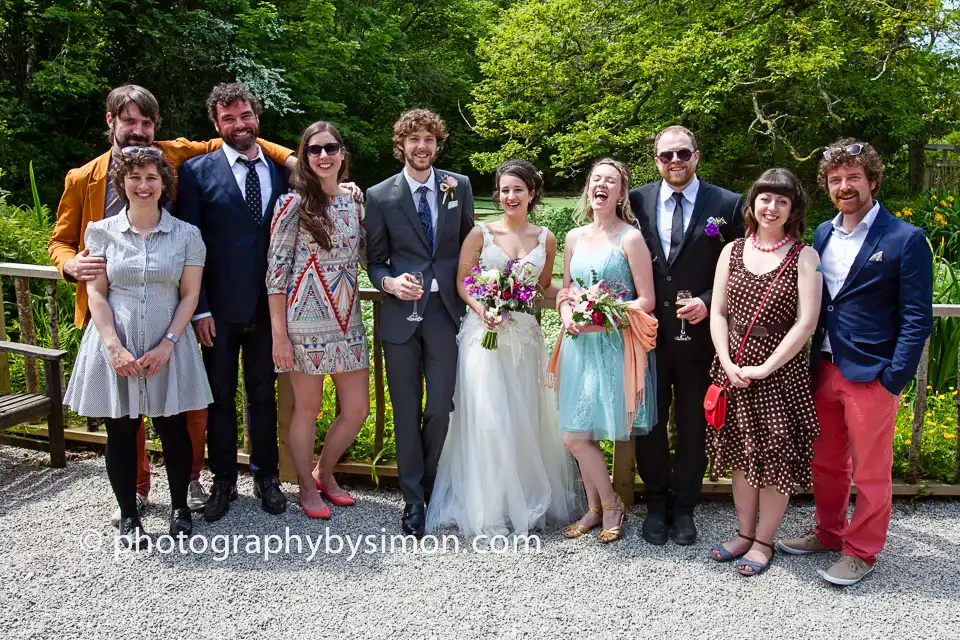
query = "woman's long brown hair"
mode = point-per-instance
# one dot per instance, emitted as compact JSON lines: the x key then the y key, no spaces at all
{"x":315,"y":202}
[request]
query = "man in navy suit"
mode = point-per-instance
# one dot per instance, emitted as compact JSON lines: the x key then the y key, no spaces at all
{"x":875,"y":317}
{"x":230,"y":194}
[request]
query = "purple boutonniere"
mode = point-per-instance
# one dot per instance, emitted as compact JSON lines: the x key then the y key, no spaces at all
{"x":713,"y":227}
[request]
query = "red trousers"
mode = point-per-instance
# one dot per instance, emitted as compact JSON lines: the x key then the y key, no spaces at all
{"x":196,"y":426}
{"x":857,"y":421}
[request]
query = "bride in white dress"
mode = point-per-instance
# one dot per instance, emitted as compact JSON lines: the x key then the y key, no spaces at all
{"x":503,"y":468}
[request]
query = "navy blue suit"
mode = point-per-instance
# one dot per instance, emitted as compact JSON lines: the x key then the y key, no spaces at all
{"x":234,"y":292}
{"x":883,"y":313}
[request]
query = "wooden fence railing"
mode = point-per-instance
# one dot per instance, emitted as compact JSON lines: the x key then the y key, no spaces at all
{"x":624,"y":479}
{"x":942,"y":174}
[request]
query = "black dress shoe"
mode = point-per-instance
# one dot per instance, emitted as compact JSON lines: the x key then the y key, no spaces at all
{"x":684,"y":529}
{"x":414,"y":519}
{"x":221,"y":495}
{"x":272,"y":500}
{"x":132,"y":535}
{"x":655,"y":528}
{"x":181,"y":523}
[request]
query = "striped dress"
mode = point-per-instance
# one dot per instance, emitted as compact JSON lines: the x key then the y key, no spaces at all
{"x":144,"y":292}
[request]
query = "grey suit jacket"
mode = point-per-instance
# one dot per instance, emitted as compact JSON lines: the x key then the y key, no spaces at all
{"x":396,"y":244}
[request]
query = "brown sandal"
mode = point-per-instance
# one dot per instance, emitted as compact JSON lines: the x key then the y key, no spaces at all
{"x":575,"y":529}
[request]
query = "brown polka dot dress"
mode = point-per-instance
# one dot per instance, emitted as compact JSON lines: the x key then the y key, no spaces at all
{"x":770,"y":425}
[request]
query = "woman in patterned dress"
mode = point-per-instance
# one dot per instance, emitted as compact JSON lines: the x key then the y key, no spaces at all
{"x":139,"y":355}
{"x":771,"y":423}
{"x":316,"y":242}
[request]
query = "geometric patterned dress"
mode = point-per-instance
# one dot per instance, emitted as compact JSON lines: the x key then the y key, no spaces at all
{"x":323,"y":306}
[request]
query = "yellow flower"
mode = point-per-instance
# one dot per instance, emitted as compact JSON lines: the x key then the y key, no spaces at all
{"x":940,"y":220}
{"x":931,"y":423}
{"x":943,"y":203}
{"x":951,"y":389}
{"x":950,"y":198}
{"x":949,"y":436}
{"x":389,"y":407}
{"x":907,"y":441}
{"x":930,"y":388}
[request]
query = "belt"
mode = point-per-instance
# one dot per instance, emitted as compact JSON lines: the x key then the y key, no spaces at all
{"x":760,"y":331}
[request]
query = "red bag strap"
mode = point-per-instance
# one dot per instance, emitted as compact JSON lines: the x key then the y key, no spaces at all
{"x":793,"y":253}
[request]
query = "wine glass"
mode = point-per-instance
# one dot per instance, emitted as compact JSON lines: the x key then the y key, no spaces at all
{"x":416,"y":317}
{"x":682,"y":296}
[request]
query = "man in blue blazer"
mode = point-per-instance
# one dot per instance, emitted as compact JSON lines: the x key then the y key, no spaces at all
{"x":875,"y":316}
{"x":230,"y":194}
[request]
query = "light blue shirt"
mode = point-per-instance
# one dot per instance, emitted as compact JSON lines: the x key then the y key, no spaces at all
{"x":665,"y":207}
{"x":431,"y":185}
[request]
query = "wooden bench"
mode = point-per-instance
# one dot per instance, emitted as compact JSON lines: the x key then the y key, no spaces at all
{"x":17,"y":408}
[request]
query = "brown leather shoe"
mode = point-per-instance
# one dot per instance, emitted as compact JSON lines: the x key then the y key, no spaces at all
{"x":847,"y":570}
{"x":804,"y":545}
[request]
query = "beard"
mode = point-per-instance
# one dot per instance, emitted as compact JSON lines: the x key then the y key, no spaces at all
{"x":678,"y":178}
{"x":132,"y":140}
{"x":243,"y":144}
{"x":419,"y":164}
{"x":848,"y":207}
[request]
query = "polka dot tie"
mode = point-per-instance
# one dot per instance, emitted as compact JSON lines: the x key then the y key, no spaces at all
{"x":252,"y":189}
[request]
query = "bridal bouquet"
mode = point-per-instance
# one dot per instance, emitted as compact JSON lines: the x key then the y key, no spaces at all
{"x":503,"y":292}
{"x":602,"y":304}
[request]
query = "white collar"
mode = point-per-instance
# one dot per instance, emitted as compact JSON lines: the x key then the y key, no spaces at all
{"x":430,"y":184}
{"x":863,"y":224}
{"x":689,"y":192}
{"x":165,"y":225}
{"x":232,"y":154}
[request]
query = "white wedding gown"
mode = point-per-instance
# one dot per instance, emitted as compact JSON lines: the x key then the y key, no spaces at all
{"x":504,"y":469}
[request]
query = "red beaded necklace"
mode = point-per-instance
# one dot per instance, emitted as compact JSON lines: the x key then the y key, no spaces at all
{"x":768,"y":248}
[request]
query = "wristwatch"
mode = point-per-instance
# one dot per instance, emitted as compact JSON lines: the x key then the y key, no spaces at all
{"x":172,"y":338}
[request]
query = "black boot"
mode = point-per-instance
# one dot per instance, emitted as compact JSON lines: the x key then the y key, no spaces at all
{"x":656,"y":525}
{"x":414,"y":520}
{"x":684,"y":529}
{"x":272,"y":500}
{"x":222,"y":494}
{"x":132,"y":534}
{"x":181,"y":523}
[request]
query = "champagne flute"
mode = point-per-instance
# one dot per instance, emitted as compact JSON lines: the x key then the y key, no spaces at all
{"x":416,"y":317}
{"x":682,"y":296}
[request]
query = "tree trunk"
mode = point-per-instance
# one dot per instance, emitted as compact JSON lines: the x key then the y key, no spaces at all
{"x":917,"y":162}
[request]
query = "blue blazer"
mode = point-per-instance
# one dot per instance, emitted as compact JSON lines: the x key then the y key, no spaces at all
{"x":883,"y":313}
{"x":234,"y":279}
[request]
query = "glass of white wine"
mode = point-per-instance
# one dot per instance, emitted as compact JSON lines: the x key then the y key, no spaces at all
{"x":682,"y":296}
{"x":416,"y":317}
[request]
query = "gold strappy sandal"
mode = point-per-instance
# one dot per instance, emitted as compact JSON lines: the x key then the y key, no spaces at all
{"x":575,"y":529}
{"x":613,"y":533}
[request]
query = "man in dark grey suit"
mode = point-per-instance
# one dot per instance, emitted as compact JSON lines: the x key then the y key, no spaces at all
{"x":685,"y":222}
{"x":415,"y":223}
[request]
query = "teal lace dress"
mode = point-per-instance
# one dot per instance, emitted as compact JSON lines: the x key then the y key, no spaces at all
{"x":591,"y":393}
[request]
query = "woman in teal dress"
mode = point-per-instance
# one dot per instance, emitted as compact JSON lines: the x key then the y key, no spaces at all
{"x":591,"y":384}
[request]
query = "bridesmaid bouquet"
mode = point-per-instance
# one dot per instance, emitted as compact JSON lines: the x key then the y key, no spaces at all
{"x":602,"y":304}
{"x":502,"y":293}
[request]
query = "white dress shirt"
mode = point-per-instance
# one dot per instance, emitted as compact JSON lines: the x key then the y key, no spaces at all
{"x":841,"y":251}
{"x":240,"y":175}
{"x":431,"y":185}
{"x":666,"y":205}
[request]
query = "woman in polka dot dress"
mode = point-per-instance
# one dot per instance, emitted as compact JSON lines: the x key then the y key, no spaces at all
{"x":770,"y":422}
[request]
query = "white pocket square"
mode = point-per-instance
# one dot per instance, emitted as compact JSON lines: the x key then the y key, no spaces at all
{"x":452,"y":204}
{"x":877,"y":257}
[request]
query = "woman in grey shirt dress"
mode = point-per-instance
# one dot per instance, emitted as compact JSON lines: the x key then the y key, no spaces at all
{"x":139,"y":355}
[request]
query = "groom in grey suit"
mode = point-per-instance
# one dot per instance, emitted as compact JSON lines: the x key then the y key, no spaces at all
{"x":416,"y":222}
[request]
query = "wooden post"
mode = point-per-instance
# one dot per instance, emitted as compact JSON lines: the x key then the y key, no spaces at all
{"x":957,"y":478}
{"x":4,"y":360}
{"x":623,"y":477}
{"x":288,"y":473}
{"x":919,"y":413}
{"x":378,"y":382}
{"x":243,"y":403}
{"x":55,"y":330}
{"x":58,"y":451}
{"x":28,"y":331}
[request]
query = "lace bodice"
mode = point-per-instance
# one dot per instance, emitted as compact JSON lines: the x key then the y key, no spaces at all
{"x":493,"y":257}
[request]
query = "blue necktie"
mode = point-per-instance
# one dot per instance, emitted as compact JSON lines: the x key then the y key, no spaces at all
{"x":423,"y":210}
{"x":252,"y":188}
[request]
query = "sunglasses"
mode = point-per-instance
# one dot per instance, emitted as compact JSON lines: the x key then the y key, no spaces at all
{"x":851,"y":150}
{"x":332,"y":149}
{"x":129,"y":152}
{"x":683,"y":155}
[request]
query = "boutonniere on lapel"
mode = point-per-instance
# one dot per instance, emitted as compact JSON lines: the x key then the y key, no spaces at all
{"x":713,"y":227}
{"x":449,"y":187}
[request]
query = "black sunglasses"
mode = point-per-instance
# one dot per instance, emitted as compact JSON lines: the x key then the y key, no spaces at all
{"x":332,"y":149}
{"x":851,"y":150}
{"x":683,"y":155}
{"x":147,"y":151}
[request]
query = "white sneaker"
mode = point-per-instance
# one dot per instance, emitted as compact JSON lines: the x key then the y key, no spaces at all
{"x":196,"y":496}
{"x":142,"y":502}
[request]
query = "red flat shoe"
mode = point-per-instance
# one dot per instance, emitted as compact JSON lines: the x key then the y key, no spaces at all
{"x":317,"y":514}
{"x":345,"y":500}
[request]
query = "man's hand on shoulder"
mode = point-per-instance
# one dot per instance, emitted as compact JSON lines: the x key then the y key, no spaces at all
{"x":83,"y":266}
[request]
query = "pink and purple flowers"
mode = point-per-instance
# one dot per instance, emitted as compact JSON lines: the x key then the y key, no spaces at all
{"x":514,"y":290}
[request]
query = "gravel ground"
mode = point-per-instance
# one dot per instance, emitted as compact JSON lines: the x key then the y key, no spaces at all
{"x":570,"y":588}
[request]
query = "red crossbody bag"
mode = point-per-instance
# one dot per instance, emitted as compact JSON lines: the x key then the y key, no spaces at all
{"x":715,"y":402}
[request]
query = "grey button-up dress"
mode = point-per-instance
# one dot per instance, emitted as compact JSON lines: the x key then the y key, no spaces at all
{"x":144,"y":292}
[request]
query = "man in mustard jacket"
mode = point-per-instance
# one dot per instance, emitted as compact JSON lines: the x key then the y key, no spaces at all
{"x":88,"y":195}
